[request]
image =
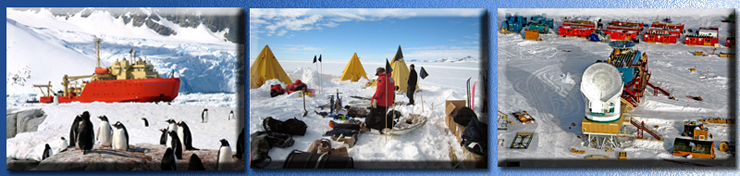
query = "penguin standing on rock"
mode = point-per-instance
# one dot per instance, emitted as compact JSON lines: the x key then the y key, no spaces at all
{"x":120,"y":137}
{"x":204,"y":116}
{"x":47,"y":152}
{"x":186,"y":138}
{"x":224,"y":161}
{"x":85,"y":134}
{"x":169,"y":162}
{"x":195,"y":163}
{"x":231,"y":115}
{"x":73,"y":131}
{"x":146,"y":122}
{"x":63,"y":144}
{"x":174,"y":143}
{"x":163,"y":138}
{"x":104,"y":132}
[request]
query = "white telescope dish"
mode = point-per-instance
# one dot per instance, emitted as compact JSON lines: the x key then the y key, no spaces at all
{"x":602,"y":87}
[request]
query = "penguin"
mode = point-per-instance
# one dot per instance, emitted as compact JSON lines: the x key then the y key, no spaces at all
{"x":240,"y":146}
{"x":73,"y":131}
{"x":85,"y":134}
{"x":195,"y":163}
{"x":174,"y":142}
{"x":171,"y":127}
{"x":120,"y":137}
{"x":224,"y":161}
{"x":181,"y":133}
{"x":204,"y":116}
{"x":146,"y":122}
{"x":63,"y":144}
{"x":169,"y":162}
{"x":104,"y":132}
{"x":47,"y":152}
{"x":186,"y":138}
{"x":231,"y":115}
{"x":163,"y":138}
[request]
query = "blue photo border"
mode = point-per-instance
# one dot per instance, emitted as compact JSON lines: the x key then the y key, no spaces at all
{"x":491,"y":5}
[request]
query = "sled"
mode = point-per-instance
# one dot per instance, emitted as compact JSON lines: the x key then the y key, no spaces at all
{"x":573,"y":150}
{"x":522,"y":140}
{"x":695,"y":98}
{"x":407,"y":124}
{"x":360,"y":103}
{"x":523,"y":117}
{"x":503,"y":122}
{"x":597,"y":157}
{"x":365,"y":102}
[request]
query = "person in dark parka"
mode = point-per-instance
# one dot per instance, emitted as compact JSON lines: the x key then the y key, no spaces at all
{"x":411,"y":85}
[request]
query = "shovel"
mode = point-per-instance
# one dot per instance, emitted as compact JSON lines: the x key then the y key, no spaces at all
{"x":303,"y":94}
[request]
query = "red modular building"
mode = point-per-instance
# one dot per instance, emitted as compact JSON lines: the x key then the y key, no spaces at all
{"x":623,"y":30}
{"x":730,"y":42}
{"x":678,"y":26}
{"x":661,"y":35}
{"x":704,"y":36}
{"x":575,"y":31}
{"x":621,"y":34}
{"x":581,"y":23}
{"x":576,"y":28}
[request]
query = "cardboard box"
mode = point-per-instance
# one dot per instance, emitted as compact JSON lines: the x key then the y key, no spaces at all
{"x":349,"y":140}
{"x":452,"y":106}
{"x":460,"y":130}
{"x":474,"y":160}
{"x":313,"y":147}
{"x":341,"y":151}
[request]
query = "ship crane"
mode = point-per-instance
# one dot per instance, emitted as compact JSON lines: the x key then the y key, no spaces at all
{"x":66,"y":79}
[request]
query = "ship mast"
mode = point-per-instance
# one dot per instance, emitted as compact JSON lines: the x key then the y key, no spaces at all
{"x":97,"y":50}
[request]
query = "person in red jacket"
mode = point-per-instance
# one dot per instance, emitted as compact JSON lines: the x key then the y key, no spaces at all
{"x":381,"y":100}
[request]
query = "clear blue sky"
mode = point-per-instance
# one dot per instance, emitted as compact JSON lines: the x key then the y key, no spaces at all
{"x":374,"y":34}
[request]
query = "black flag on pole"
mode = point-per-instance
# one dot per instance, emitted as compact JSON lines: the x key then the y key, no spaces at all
{"x":423,"y":73}
{"x":399,"y":54}
{"x":314,"y":58}
{"x":388,"y":68}
{"x":319,"y":57}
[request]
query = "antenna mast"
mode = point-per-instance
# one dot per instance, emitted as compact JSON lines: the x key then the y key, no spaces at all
{"x":97,"y":50}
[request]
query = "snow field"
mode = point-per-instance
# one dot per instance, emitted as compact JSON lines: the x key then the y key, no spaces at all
{"x":429,"y":142}
{"x":543,"y":78}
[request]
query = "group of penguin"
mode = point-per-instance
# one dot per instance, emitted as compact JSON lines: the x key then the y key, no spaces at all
{"x":177,"y":137}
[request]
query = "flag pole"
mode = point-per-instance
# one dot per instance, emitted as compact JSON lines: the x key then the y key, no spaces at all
{"x":321,"y":83}
{"x":385,"y":113}
{"x":317,"y":67}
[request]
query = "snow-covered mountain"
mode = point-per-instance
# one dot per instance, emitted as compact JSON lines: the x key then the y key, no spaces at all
{"x":448,"y":59}
{"x":45,"y":44}
{"x":159,"y":20}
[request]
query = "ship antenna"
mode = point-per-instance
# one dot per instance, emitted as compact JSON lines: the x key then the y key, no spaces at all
{"x":97,"y":50}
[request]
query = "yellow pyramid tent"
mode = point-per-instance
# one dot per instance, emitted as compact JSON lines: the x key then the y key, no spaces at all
{"x":266,"y":67}
{"x":354,"y":70}
{"x":400,"y":71}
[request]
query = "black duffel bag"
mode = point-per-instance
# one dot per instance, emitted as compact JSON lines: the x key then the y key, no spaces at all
{"x":304,"y":160}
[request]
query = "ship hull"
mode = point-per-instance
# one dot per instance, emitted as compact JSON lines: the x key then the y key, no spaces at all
{"x":129,"y":90}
